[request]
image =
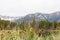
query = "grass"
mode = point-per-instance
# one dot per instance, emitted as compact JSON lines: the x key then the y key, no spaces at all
{"x":29,"y":34}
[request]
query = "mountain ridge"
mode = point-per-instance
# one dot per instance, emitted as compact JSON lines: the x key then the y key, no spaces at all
{"x":55,"y":16}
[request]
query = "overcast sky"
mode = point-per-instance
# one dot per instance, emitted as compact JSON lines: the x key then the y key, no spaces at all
{"x":24,"y":7}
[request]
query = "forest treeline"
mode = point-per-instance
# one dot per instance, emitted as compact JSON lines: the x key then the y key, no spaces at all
{"x":7,"y":25}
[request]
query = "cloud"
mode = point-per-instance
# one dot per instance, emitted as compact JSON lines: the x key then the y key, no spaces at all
{"x":24,"y":7}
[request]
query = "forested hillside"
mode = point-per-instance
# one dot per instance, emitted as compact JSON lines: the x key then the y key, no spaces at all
{"x":7,"y":25}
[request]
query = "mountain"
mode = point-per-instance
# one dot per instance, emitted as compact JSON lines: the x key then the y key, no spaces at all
{"x":40,"y":16}
{"x":55,"y":16}
{"x":8,"y":18}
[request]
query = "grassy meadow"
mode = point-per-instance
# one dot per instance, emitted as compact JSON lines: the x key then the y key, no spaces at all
{"x":27,"y":35}
{"x":29,"y":31}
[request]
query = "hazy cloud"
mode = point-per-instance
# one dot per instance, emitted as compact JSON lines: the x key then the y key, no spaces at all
{"x":23,"y":7}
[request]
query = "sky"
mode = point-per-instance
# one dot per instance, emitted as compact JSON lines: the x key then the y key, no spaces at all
{"x":24,"y":7}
